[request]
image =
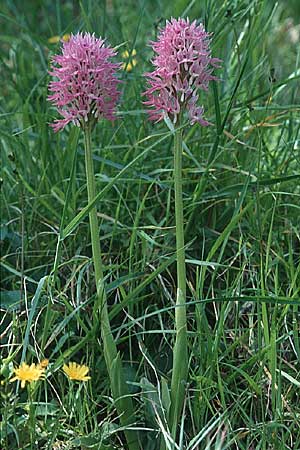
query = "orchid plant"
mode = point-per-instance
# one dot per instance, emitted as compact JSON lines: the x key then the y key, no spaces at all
{"x":183,"y":67}
{"x":85,"y":90}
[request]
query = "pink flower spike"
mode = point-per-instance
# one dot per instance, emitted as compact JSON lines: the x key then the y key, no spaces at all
{"x":183,"y":64}
{"x":85,"y":86}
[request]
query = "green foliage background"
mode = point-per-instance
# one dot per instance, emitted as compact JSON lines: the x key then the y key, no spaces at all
{"x":241,"y":200}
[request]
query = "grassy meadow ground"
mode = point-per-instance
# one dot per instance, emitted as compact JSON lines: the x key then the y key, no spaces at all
{"x":242,"y":232}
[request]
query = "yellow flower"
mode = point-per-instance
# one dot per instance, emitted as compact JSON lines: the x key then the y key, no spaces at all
{"x":76,"y":371}
{"x":28,"y":373}
{"x":130,"y":62}
{"x":44,"y":363}
{"x":56,"y":39}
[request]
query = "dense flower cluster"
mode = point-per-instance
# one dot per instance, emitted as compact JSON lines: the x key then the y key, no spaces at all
{"x":86,"y":87}
{"x":183,"y":66}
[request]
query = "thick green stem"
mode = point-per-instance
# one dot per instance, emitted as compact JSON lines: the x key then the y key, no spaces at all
{"x":112,"y":357}
{"x":180,"y":354}
{"x":90,"y":177}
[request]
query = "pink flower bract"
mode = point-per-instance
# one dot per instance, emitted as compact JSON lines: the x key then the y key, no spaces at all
{"x":85,"y":86}
{"x":183,"y":65}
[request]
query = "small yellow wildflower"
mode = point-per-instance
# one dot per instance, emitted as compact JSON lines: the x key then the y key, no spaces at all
{"x":56,"y":39}
{"x":130,"y":62}
{"x":44,"y":363}
{"x":76,"y":371}
{"x":28,"y":373}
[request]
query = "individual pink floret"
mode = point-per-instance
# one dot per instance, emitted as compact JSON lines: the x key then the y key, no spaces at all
{"x":183,"y":65}
{"x":86,"y":86}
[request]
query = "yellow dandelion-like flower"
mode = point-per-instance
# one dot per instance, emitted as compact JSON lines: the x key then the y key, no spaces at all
{"x":28,"y":373}
{"x":130,"y":62}
{"x":56,"y":39}
{"x":76,"y":371}
{"x":44,"y":363}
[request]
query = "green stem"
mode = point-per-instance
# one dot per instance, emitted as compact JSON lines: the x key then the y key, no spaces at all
{"x":112,"y":357}
{"x":31,"y":416}
{"x":90,"y":177}
{"x":180,"y":353}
